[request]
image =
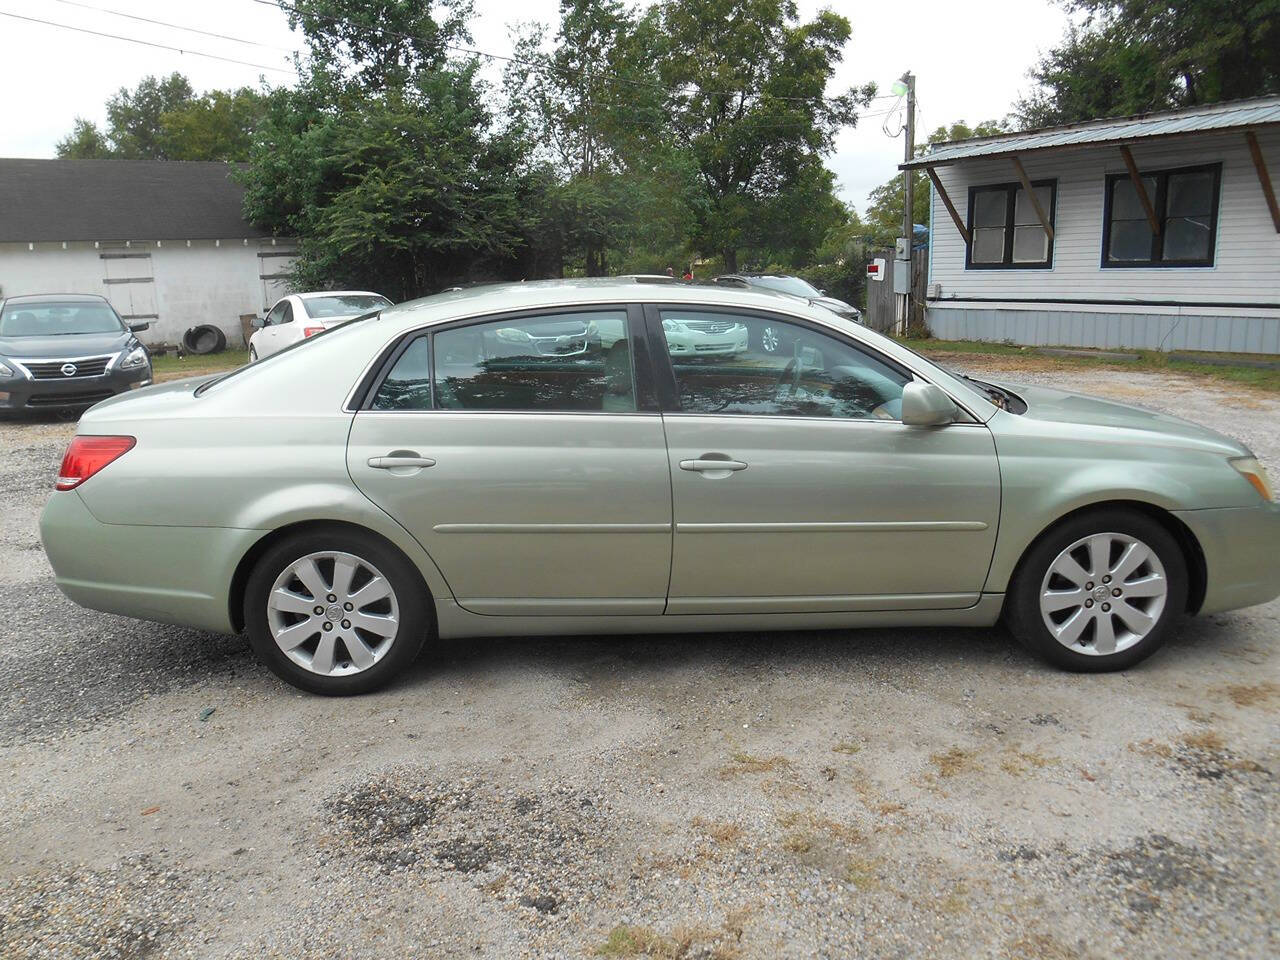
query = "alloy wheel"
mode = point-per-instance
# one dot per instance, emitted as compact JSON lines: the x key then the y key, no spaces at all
{"x":333,"y":613}
{"x":769,"y":340}
{"x":1103,"y":594}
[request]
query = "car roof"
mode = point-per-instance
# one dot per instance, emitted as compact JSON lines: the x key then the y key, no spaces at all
{"x":56,"y":298}
{"x":337,"y":293}
{"x":506,"y":297}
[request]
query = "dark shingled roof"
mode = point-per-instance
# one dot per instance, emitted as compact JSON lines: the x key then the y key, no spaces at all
{"x":43,"y":200}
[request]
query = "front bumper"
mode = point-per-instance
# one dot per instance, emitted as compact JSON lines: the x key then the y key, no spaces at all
{"x":694,"y":343}
{"x":23,"y":393}
{"x":1240,"y":553}
{"x":176,"y":575}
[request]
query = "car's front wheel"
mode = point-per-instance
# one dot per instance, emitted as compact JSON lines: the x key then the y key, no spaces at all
{"x":335,"y":612}
{"x":253,"y":353}
{"x":1099,"y":592}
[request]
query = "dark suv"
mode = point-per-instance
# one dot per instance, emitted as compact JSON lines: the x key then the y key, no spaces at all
{"x":67,"y":351}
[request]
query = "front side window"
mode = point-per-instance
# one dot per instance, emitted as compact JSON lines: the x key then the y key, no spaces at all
{"x":576,"y":362}
{"x":277,"y":312}
{"x":51,"y":319}
{"x":1185,"y":203}
{"x":756,"y":365}
{"x":1005,"y":229}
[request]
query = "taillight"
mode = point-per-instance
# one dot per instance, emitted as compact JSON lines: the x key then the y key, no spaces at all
{"x":87,"y":455}
{"x":311,"y":331}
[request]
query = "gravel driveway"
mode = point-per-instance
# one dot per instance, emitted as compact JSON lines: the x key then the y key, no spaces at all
{"x":882,"y":793}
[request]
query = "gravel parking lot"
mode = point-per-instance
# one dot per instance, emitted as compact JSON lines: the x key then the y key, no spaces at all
{"x":883,"y":793}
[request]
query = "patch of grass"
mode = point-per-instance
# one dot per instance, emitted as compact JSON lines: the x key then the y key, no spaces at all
{"x":628,"y":941}
{"x":748,"y":763}
{"x":953,"y":762}
{"x":798,"y":841}
{"x":721,"y":831}
{"x":1208,"y":740}
{"x":171,"y":367}
{"x":1018,"y":762}
{"x":860,"y":872}
{"x":846,"y":747}
{"x":1251,"y":696}
{"x":1151,"y":361}
{"x":634,"y":941}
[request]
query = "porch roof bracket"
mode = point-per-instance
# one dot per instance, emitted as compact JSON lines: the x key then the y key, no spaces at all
{"x":1264,"y":178}
{"x":1141,"y":189}
{"x":1035,"y":201}
{"x":951,"y":207}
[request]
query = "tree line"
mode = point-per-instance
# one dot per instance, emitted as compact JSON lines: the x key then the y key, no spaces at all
{"x":618,"y":140}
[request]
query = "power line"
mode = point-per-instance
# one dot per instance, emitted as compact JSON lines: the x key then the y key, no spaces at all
{"x":145,"y":43}
{"x":173,"y":26}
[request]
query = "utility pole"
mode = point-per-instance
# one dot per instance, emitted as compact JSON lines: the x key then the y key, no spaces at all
{"x":902,"y":264}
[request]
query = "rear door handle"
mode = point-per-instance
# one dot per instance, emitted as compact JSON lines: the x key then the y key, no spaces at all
{"x":712,"y":466}
{"x":400,"y":460}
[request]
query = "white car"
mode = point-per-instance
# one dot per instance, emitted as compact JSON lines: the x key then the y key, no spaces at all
{"x":302,"y":315}
{"x":691,"y":333}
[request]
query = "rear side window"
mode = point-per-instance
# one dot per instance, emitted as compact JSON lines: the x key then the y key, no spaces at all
{"x":554,"y":363}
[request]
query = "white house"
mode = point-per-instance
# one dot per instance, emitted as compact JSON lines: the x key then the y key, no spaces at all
{"x":1158,"y":232}
{"x":165,"y":242}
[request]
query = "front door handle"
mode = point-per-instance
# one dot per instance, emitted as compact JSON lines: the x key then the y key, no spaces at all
{"x":398,"y":459}
{"x":704,"y":465}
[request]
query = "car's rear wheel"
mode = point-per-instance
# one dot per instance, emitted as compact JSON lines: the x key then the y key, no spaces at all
{"x":335,"y":612}
{"x":1099,"y":592}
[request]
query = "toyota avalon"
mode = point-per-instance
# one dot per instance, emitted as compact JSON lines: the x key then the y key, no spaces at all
{"x":389,"y":482}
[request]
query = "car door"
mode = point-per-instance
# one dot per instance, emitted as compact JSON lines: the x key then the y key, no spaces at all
{"x":265,"y":340}
{"x":526,"y":454}
{"x":795,"y":485}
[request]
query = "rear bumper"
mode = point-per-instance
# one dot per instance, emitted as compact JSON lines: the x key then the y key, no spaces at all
{"x":24,"y":394}
{"x":176,"y":575}
{"x":1240,"y":552}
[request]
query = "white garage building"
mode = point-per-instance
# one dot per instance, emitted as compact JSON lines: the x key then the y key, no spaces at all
{"x":165,"y":242}
{"x":1159,"y":232}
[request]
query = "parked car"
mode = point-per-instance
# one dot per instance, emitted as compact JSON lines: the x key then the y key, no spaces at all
{"x":773,"y":341}
{"x":66,"y":351}
{"x":383,"y":483}
{"x":302,"y":315}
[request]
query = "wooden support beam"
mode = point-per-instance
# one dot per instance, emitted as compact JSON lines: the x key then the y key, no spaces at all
{"x":1141,"y":189}
{"x":1264,"y":178}
{"x":1035,"y":201}
{"x":951,"y":207}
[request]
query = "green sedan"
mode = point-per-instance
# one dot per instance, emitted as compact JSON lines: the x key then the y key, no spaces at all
{"x":537,"y":459}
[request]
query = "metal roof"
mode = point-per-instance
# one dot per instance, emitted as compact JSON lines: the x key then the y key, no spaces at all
{"x":43,"y":200}
{"x":1256,"y":112}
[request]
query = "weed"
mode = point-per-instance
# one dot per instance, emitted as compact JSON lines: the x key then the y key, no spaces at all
{"x":847,"y":747}
{"x":747,"y":763}
{"x":952,"y":762}
{"x":1246,"y":696}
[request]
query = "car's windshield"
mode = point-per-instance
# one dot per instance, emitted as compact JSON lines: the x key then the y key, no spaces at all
{"x":342,"y":305}
{"x":52,"y":319}
{"x":792,"y":285}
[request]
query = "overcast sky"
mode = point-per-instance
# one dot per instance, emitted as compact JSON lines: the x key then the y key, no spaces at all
{"x":969,"y":67}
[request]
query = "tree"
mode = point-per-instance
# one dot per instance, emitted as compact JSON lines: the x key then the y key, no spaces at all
{"x":884,"y":213}
{"x":1135,"y":56}
{"x":569,"y":102}
{"x":388,"y":171}
{"x":84,"y":142}
{"x":134,"y":118}
{"x":163,"y":119}
{"x":745,"y":95}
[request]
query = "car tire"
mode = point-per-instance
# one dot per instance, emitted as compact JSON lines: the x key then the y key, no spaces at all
{"x":343,"y":658}
{"x":1065,"y":611}
{"x":253,"y":354}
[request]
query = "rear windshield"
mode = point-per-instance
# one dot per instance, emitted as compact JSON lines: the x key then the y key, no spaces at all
{"x":792,"y":285}
{"x":52,"y":319}
{"x":344,"y":305}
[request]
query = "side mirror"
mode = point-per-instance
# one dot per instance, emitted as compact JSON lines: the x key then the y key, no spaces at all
{"x":138,"y":327}
{"x":822,"y":293}
{"x":926,"y":405}
{"x":258,"y":323}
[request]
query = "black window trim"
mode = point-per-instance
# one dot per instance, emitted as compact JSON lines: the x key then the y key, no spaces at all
{"x":641,"y":369}
{"x":1010,"y":210}
{"x":664,"y":368}
{"x":1160,"y":202}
